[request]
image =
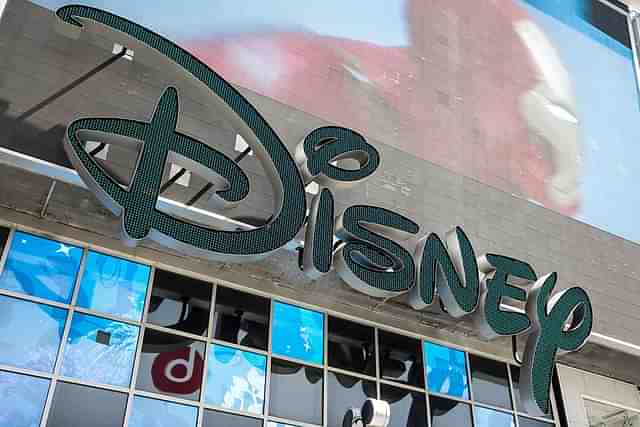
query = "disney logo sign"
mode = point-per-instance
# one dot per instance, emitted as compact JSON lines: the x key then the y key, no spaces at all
{"x":367,"y":257}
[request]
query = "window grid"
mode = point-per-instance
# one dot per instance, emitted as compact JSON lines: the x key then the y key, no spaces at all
{"x":209,"y":340}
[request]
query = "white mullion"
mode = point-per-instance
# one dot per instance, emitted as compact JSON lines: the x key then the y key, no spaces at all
{"x":99,"y":386}
{"x":63,"y":340}
{"x":134,"y":375}
{"x":494,"y":408}
{"x":267,"y":383}
{"x":208,"y":345}
{"x":147,"y":298}
{"x":138,"y":353}
{"x":292,"y":422}
{"x":166,"y":397}
{"x":426,"y":381}
{"x":163,"y":329}
{"x":232,"y":411}
{"x":25,"y":371}
{"x":449,"y":397}
{"x":103,"y":315}
{"x":30,"y":298}
{"x":351,"y":374}
{"x":402,"y":386}
{"x":377,"y":356}
{"x":325,"y":375}
{"x":238,"y":346}
{"x":512,"y":394}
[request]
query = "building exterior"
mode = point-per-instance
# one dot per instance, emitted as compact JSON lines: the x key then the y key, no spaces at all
{"x":512,"y":120}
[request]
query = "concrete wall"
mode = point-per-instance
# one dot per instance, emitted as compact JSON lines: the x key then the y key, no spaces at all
{"x":578,"y":385}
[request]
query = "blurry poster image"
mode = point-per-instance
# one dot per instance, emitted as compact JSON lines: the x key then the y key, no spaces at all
{"x":171,"y":365}
{"x":529,"y":96}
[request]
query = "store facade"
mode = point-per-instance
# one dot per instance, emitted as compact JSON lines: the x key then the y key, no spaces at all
{"x":273,"y":277}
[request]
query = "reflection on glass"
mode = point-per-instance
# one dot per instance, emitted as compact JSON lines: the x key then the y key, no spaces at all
{"x":447,"y":413}
{"x":171,"y":364}
{"x":30,"y":334}
{"x":351,"y":346}
{"x":486,"y":417}
{"x":180,"y":303}
{"x":158,"y":413}
{"x":490,"y":382}
{"x":528,"y":422}
{"x":298,"y":333}
{"x":100,"y":350}
{"x":222,"y":419}
{"x":446,"y":370}
{"x":345,"y":392}
{"x":400,"y":359}
{"x":604,"y":415}
{"x":241,"y":318}
{"x":296,"y":392}
{"x":79,"y":406}
{"x":235,"y":379}
{"x":408,"y":408}
{"x":113,"y":286}
{"x":41,"y":267}
{"x":515,"y":378}
{"x":4,"y":236}
{"x":274,"y":424}
{"x":23,"y":398}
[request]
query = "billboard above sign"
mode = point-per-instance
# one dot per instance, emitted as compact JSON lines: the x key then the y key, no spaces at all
{"x":532,"y":97}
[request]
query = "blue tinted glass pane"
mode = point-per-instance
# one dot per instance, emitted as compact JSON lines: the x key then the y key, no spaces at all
{"x":489,"y":418}
{"x":298,"y":333}
{"x":41,"y":267}
{"x":157,"y":413}
{"x":235,"y":379}
{"x":114,"y":286}
{"x":23,"y":399}
{"x":446,"y":370}
{"x":30,"y":334}
{"x":100,"y":350}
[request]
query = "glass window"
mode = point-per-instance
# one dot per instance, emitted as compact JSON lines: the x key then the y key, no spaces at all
{"x":408,"y":408}
{"x":23,"y":398}
{"x":158,"y":413}
{"x":298,"y":333}
{"x":296,"y":392}
{"x":400,"y":359}
{"x":447,"y":413}
{"x":113,"y":286}
{"x":30,"y":334}
{"x":345,"y":392}
{"x":241,"y":318}
{"x":180,"y":303}
{"x":4,"y":236}
{"x":80,"y":406}
{"x":446,"y":370}
{"x":222,"y":419}
{"x":486,"y":417}
{"x":351,"y":346}
{"x":515,"y":378}
{"x":171,"y":364}
{"x":490,"y":382}
{"x":235,"y":379}
{"x":100,"y":350}
{"x":40,"y":267}
{"x":528,"y":422}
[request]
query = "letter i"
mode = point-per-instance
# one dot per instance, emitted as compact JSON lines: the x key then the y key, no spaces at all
{"x":318,"y":243}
